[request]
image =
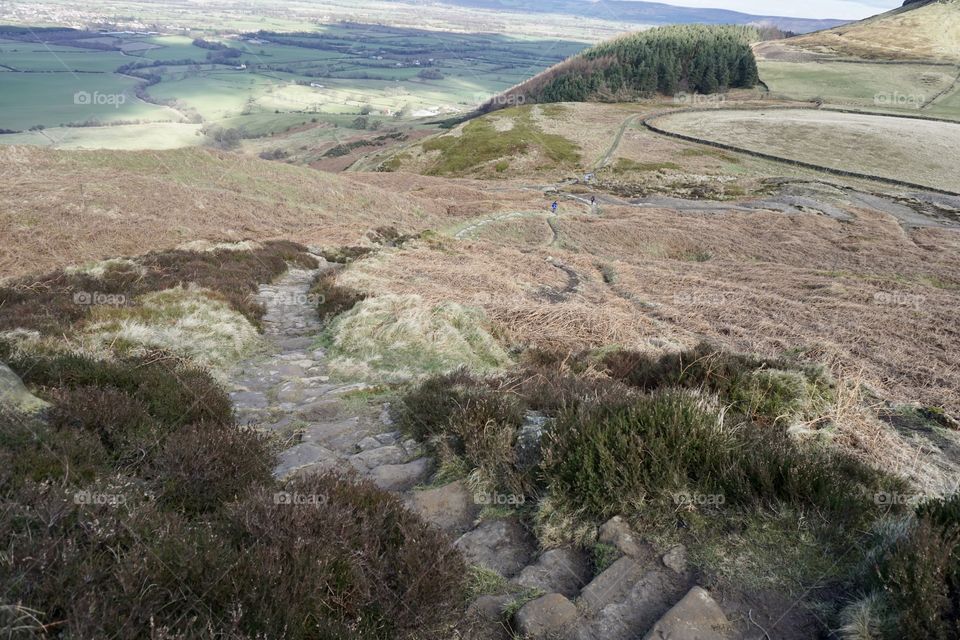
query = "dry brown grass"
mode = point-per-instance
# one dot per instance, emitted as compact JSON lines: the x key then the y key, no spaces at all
{"x":867,"y":293}
{"x":59,"y":208}
{"x":930,"y":32}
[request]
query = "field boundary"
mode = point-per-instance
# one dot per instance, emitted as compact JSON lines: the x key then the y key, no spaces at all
{"x":648,"y":123}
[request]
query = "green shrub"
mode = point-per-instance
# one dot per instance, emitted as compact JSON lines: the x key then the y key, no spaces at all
{"x":920,"y":574}
{"x":172,"y":393}
{"x":333,"y":299}
{"x":428,"y":409}
{"x":117,"y":419}
{"x":768,"y":390}
{"x":355,"y":564}
{"x":609,"y":459}
{"x":202,"y":467}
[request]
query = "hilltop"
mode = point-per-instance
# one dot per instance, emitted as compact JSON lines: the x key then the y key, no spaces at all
{"x":666,"y":60}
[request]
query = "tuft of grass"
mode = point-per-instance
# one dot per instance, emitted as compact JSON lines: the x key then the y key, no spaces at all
{"x":190,"y":323}
{"x":602,"y":556}
{"x":394,"y":338}
{"x":482,"y":581}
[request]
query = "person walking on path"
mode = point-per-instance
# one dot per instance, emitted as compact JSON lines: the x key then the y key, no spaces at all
{"x":555,"y":206}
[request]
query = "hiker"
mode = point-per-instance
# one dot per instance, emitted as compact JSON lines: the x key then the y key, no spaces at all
{"x":593,"y":201}
{"x":554,"y":206}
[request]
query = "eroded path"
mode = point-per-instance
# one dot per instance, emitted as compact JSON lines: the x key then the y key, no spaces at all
{"x":285,"y":389}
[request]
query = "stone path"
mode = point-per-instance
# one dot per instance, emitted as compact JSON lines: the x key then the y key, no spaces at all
{"x":285,"y":389}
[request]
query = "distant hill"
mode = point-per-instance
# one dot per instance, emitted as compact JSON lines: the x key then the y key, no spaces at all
{"x":665,"y":60}
{"x":648,"y":13}
{"x":919,"y":30}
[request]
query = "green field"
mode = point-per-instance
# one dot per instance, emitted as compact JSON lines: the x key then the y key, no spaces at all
{"x":53,"y":99}
{"x":251,"y":81}
{"x":132,"y":137}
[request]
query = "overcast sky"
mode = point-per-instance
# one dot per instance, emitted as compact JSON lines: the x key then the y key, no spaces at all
{"x":842,"y":9}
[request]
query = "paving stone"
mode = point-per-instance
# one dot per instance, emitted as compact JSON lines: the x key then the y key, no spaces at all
{"x":624,"y":601}
{"x":401,"y":477}
{"x":305,"y":454}
{"x":502,"y":545}
{"x":450,"y":507}
{"x":388,"y":455}
{"x":564,"y":571}
{"x":545,"y":617}
{"x":696,"y":617}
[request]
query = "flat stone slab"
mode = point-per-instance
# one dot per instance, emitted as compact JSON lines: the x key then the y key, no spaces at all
{"x":401,"y":477}
{"x":563,"y":571}
{"x":545,"y":617}
{"x":303,"y":455}
{"x":450,"y":507}
{"x":389,"y":454}
{"x":696,"y":617}
{"x":502,"y":545}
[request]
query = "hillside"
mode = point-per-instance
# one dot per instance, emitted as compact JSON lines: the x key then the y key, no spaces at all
{"x":917,"y":31}
{"x":698,"y":59}
{"x":60,"y":207}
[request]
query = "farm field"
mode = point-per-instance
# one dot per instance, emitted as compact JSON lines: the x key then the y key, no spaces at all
{"x":390,"y":74}
{"x":918,"y":151}
{"x":896,"y":87}
{"x":135,"y":137}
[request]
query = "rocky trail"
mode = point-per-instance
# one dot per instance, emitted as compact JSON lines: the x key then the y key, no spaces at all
{"x":285,"y":389}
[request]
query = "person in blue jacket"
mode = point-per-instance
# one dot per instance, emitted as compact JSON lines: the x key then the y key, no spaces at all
{"x":554,"y":206}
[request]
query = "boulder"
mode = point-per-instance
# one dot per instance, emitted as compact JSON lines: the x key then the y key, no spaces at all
{"x":562,"y":571}
{"x":14,"y":396}
{"x":548,"y":615}
{"x":502,"y":545}
{"x":696,"y":617}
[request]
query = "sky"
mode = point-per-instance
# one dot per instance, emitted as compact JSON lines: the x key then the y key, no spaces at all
{"x":840,"y":9}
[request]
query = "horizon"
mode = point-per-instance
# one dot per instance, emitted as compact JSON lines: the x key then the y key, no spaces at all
{"x":812,"y":9}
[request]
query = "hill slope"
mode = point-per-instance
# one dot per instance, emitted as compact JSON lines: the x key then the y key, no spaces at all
{"x":916,"y":31}
{"x":65,"y":207}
